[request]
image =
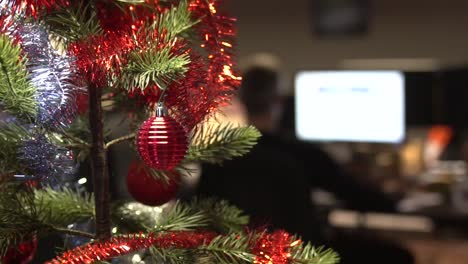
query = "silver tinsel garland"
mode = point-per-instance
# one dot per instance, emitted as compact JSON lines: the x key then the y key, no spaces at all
{"x":10,"y":17}
{"x":52,"y":164}
{"x":52,"y":75}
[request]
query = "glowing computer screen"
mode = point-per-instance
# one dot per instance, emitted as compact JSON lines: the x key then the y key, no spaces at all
{"x":353,"y":106}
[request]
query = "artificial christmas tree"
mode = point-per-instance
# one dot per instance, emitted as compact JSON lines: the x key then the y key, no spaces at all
{"x":169,"y":61}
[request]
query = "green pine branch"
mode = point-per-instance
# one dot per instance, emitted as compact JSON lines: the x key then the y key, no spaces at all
{"x":61,"y":208}
{"x":17,"y":95}
{"x":182,"y":217}
{"x":207,"y":213}
{"x":171,"y":256}
{"x":214,"y":143}
{"x":308,"y":254}
{"x":18,"y":217}
{"x":77,"y":138}
{"x":175,"y":21}
{"x":231,"y":249}
{"x":74,"y":22}
{"x":11,"y":136}
{"x":155,"y":66}
{"x":158,"y":64}
{"x":223,"y":217}
{"x":24,"y":213}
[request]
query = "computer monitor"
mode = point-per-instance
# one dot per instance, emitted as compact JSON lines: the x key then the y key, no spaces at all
{"x":350,"y":106}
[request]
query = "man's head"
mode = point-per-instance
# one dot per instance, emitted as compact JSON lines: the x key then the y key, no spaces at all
{"x":259,"y":94}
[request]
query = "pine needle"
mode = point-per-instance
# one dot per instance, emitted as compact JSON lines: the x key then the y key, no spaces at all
{"x":74,"y":22}
{"x":157,"y":66}
{"x":18,"y":216}
{"x":309,"y":254}
{"x":11,"y":136}
{"x":214,"y":143}
{"x":63,"y":207}
{"x":223,"y":217}
{"x":24,"y":212}
{"x":181,"y":217}
{"x":176,"y":21}
{"x":17,"y":95}
{"x":233,"y":249}
{"x":171,"y":256}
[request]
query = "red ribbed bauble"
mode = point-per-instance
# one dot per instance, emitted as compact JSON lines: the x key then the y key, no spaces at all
{"x":22,"y":254}
{"x":145,"y":189}
{"x":162,"y":142}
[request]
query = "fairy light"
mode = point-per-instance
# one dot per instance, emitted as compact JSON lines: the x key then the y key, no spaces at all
{"x":136,"y":258}
{"x":295,"y":243}
{"x":228,"y":72}
{"x":82,"y":181}
{"x":227,"y":44}
{"x":212,"y":8}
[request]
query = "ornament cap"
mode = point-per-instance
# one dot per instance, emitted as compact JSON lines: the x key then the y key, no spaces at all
{"x":161,"y":110}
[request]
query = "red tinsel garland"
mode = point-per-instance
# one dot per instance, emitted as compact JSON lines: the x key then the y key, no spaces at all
{"x":118,"y":246}
{"x":113,"y":17}
{"x":7,"y":19}
{"x":268,"y":248}
{"x":210,"y":79}
{"x":274,"y":248}
{"x":98,"y":57}
{"x":217,"y":33}
{"x":34,"y":7}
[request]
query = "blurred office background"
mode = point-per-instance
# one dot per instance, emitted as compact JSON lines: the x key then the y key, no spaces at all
{"x":427,"y":42}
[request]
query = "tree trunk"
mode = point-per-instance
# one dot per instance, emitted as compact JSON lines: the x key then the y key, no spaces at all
{"x":99,"y":166}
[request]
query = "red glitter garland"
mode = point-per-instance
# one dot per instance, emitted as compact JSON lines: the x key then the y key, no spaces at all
{"x":118,"y":246}
{"x":274,"y":248}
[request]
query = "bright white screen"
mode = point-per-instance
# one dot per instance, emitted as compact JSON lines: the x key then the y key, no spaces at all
{"x":364,"y":106}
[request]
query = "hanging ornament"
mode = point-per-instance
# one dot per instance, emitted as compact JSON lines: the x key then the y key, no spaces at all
{"x":147,"y":190}
{"x":22,"y":254}
{"x":161,"y":141}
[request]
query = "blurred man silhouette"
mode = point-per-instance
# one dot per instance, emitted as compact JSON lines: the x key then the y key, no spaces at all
{"x":272,"y":183}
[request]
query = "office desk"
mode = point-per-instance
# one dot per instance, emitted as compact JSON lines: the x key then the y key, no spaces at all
{"x":435,"y":236}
